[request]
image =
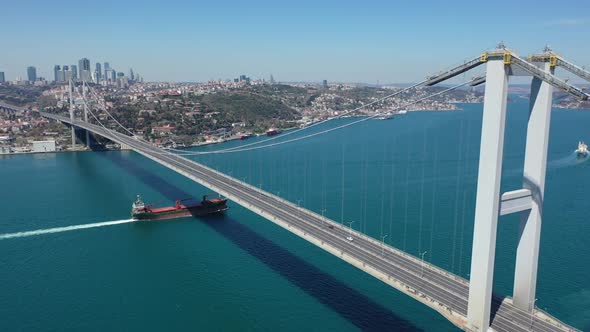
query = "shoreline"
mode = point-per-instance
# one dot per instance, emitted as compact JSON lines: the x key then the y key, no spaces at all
{"x":235,"y":138}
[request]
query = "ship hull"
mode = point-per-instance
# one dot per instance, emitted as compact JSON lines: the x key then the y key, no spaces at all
{"x":183,"y":211}
{"x":273,"y":132}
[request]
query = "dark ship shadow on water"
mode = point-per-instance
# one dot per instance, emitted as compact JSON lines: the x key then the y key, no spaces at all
{"x":354,"y":306}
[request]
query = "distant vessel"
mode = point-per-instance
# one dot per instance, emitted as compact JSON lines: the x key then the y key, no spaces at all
{"x":141,"y":211}
{"x":386,"y":116}
{"x":402,"y":112}
{"x":246,"y":136}
{"x":273,"y":131}
{"x":582,"y":150}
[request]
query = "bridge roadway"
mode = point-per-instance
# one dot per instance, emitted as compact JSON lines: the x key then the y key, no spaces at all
{"x":442,"y":291}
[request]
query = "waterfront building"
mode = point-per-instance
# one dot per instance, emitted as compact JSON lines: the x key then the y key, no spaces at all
{"x":44,"y":146}
{"x":2,"y":78}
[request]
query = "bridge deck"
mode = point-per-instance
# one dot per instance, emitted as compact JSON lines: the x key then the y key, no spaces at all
{"x":442,"y":291}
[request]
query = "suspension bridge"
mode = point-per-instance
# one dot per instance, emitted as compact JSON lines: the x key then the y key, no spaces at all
{"x":468,"y":304}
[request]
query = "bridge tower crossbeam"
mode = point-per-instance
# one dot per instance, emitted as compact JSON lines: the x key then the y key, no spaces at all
{"x":528,"y":201}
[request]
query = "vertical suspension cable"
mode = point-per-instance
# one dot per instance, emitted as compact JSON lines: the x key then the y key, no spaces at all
{"x":392,"y":190}
{"x":458,"y":182}
{"x":407,"y":192}
{"x":342,"y":187}
{"x":433,"y":205}
{"x":382,"y":191}
{"x":420,"y":219}
{"x":362,"y":226}
{"x":467,"y":155}
{"x":305,"y":175}
{"x":324,"y":205}
{"x":366,"y":190}
{"x":462,"y":234}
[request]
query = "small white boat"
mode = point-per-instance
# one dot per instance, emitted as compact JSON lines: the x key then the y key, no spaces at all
{"x":582,"y":150}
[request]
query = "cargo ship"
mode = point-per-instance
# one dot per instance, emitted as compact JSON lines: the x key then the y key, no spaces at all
{"x":582,"y":150}
{"x":141,"y":211}
{"x":273,"y":131}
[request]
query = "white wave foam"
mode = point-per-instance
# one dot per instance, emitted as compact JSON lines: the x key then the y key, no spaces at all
{"x":62,"y":229}
{"x":569,"y":160}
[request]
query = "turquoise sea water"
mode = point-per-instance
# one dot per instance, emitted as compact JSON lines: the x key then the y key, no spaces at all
{"x":412,"y":178}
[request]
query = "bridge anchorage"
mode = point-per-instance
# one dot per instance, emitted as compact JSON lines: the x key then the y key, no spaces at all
{"x":467,"y":304}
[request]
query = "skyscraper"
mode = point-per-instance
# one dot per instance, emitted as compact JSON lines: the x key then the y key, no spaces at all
{"x":67,"y":73}
{"x":98,"y":72}
{"x":2,"y":79}
{"x":131,"y":75}
{"x":61,"y":74}
{"x":56,"y":70}
{"x":74,"y":70}
{"x":32,"y":73}
{"x":107,"y":67}
{"x":84,"y":68}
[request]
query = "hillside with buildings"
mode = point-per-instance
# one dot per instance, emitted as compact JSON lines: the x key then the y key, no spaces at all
{"x":182,"y":114}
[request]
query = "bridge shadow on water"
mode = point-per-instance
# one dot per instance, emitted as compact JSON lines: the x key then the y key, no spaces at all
{"x":349,"y":303}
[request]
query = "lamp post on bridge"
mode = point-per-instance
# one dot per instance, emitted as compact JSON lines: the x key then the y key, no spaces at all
{"x":349,"y":238}
{"x":422,"y":265}
{"x":383,"y":244}
{"x":299,"y":208}
{"x":323,"y":216}
{"x":533,"y":313}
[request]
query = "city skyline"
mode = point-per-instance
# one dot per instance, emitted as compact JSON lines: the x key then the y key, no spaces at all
{"x":341,"y":42}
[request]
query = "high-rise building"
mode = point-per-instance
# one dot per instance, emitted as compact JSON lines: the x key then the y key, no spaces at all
{"x":67,"y":73}
{"x":84,"y":69}
{"x":32,"y":73}
{"x":2,"y":78}
{"x":325,"y":84}
{"x":61,"y":74}
{"x":131,"y":75}
{"x":98,"y":72}
{"x":74,"y":70}
{"x":56,"y":70}
{"x":107,"y":67}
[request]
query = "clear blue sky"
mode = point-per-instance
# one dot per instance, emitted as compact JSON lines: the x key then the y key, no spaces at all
{"x":348,"y":41}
